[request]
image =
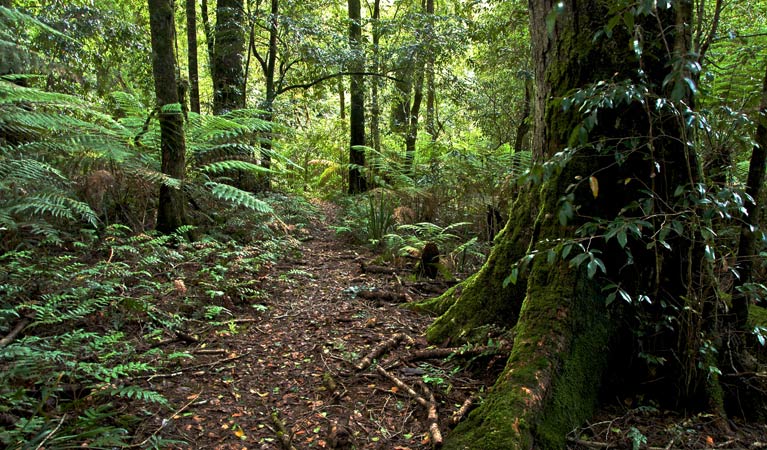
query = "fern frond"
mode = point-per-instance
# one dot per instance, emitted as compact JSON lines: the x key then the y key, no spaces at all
{"x":138,"y":393}
{"x":233,"y":164}
{"x":23,"y":171}
{"x":56,"y":205}
{"x":128,"y":104}
{"x":238,"y":197}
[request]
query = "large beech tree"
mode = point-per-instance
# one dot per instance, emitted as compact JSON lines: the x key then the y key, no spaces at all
{"x":603,"y":253}
{"x":171,"y":209}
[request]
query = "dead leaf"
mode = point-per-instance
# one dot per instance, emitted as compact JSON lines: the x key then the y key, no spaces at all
{"x":594,"y":185}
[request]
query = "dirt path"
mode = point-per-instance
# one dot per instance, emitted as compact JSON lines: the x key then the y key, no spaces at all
{"x":291,"y":365}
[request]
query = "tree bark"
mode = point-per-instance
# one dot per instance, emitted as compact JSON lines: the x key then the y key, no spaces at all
{"x":375,"y":105}
{"x":191,"y":39}
{"x":171,"y":212}
{"x":357,"y":181}
{"x":227,"y":62}
{"x":524,"y":118}
{"x":431,"y":89}
{"x":210,"y":38}
{"x":748,"y":232}
{"x":562,"y":329}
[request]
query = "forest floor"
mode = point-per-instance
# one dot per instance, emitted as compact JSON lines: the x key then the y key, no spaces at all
{"x":285,"y":377}
{"x":294,"y":375}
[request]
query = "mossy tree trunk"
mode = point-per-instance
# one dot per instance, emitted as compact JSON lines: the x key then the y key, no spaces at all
{"x":610,"y":166}
{"x":171,"y":212}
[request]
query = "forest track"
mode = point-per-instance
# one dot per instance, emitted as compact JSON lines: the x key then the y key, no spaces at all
{"x":291,"y":365}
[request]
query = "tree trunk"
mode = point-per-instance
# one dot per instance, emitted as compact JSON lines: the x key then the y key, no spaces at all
{"x":357,"y":182}
{"x":557,"y":306}
{"x":171,"y":209}
{"x":431,"y":90}
{"x":229,"y":48}
{"x":748,"y":233}
{"x":411,"y":131}
{"x":191,"y":39}
{"x":341,"y":99}
{"x":375,"y":105}
{"x":210,"y":39}
{"x":269,"y":67}
{"x":524,"y":118}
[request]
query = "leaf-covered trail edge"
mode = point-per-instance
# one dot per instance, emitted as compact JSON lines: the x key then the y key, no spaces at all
{"x":283,"y":376}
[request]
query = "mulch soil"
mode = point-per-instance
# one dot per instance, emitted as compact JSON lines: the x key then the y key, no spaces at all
{"x":301,"y":373}
{"x":286,"y":377}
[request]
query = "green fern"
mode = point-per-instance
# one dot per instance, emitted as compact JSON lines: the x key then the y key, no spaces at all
{"x":137,"y":393}
{"x":238,"y":197}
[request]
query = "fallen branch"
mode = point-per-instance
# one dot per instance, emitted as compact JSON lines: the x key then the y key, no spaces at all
{"x":210,"y":351}
{"x":49,"y":435}
{"x":462,"y":411}
{"x":442,"y":353}
{"x":434,"y":432}
{"x":282,"y":432}
{"x":591,"y":444}
{"x":403,"y":386}
{"x":198,"y":366}
{"x":166,"y":422}
{"x":380,"y":349}
{"x":377,"y":269}
{"x":16,"y":330}
{"x":381,"y":296}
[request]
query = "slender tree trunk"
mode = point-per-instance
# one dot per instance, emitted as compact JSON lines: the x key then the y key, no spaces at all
{"x":375,"y":106}
{"x":341,"y":98}
{"x":431,"y":92}
{"x":411,"y":133}
{"x":524,"y":123}
{"x":228,"y":68}
{"x":210,"y":38}
{"x":748,"y":232}
{"x":191,"y":39}
{"x":171,"y":209}
{"x":562,"y":328}
{"x":269,"y":67}
{"x":357,"y":182}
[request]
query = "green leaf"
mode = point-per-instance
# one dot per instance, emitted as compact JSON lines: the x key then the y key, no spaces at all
{"x":593,"y":265}
{"x":628,"y":20}
{"x":512,"y":278}
{"x":566,"y":250}
{"x":578,"y":259}
{"x":565,"y":212}
{"x":551,"y":256}
{"x":709,"y":253}
{"x":622,"y":238}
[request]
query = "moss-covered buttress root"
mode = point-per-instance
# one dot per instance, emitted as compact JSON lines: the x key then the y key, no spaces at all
{"x":550,"y":382}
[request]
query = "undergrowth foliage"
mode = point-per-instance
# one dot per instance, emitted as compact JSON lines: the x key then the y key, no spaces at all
{"x":98,"y":324}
